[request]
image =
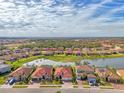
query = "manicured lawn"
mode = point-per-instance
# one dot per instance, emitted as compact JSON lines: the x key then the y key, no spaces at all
{"x":20,"y":86}
{"x":47,"y":86}
{"x":53,"y":82}
{"x":86,"y":86}
{"x":20,"y":62}
{"x":3,"y":78}
{"x":59,"y":58}
{"x":75,"y":86}
{"x":106,"y":87}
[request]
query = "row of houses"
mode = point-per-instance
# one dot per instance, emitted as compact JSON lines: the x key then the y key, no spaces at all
{"x":18,"y":55}
{"x":76,"y":51}
{"x":65,"y":73}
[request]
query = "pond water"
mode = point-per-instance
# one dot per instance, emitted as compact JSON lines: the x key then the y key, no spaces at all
{"x":113,"y":62}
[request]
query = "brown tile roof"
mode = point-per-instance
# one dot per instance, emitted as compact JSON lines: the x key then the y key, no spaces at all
{"x":114,"y":77}
{"x":85,"y":68}
{"x":91,"y":76}
{"x":21,"y":71}
{"x":42,"y":71}
{"x":65,"y":72}
{"x":120,"y":72}
{"x":103,"y":72}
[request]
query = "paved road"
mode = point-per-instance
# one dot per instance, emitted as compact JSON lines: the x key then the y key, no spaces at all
{"x":9,"y":90}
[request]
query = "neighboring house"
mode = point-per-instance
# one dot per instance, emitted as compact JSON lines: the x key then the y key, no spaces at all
{"x":103,"y":73}
{"x":108,"y":75}
{"x":120,"y":72}
{"x":21,"y":73}
{"x":114,"y":78}
{"x":42,"y":73}
{"x":4,"y":68}
{"x":47,"y":53}
{"x":63,"y":73}
{"x":84,"y":71}
{"x":77,"y":53}
{"x":68,"y":51}
{"x":91,"y":78}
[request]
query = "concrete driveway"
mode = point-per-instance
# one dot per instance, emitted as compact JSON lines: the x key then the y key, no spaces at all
{"x":34,"y":85}
{"x":67,"y":85}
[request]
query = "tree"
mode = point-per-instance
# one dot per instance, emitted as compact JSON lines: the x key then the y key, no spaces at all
{"x":58,"y":92}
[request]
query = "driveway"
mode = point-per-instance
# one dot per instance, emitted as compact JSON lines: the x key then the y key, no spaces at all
{"x":79,"y":84}
{"x":34,"y":85}
{"x":118,"y":86}
{"x":6,"y":86}
{"x":67,"y":85}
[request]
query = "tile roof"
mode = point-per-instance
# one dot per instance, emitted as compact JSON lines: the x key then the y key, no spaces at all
{"x":114,"y":77}
{"x":85,"y":68}
{"x":103,"y":72}
{"x":91,"y":76}
{"x":120,"y":72}
{"x":42,"y":71}
{"x":65,"y":72}
{"x":21,"y":71}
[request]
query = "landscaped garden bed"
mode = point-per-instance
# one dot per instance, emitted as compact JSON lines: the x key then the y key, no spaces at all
{"x":75,"y":86}
{"x":20,"y":86}
{"x":106,"y":87}
{"x":50,"y":86}
{"x":86,"y":84}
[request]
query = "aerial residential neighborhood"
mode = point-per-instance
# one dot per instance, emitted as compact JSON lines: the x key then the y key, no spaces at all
{"x":61,"y":46}
{"x":36,"y":65}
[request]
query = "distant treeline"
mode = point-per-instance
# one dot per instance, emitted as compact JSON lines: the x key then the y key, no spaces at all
{"x":62,"y":43}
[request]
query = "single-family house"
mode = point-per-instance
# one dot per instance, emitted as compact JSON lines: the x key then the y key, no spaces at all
{"x":103,"y":73}
{"x":21,"y":73}
{"x":114,"y":78}
{"x":42,"y":73}
{"x":47,"y":53}
{"x":4,"y":68}
{"x":120,"y":72}
{"x":68,"y":51}
{"x":83,"y":70}
{"x":63,"y":73}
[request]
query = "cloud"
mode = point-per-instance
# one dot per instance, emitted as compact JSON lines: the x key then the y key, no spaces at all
{"x":61,"y":17}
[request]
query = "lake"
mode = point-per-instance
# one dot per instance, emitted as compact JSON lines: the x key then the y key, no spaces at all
{"x":114,"y":62}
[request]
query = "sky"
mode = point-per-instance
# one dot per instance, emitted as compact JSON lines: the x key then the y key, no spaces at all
{"x":61,"y":18}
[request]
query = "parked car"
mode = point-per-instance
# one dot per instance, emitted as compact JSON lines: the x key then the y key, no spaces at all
{"x":12,"y":81}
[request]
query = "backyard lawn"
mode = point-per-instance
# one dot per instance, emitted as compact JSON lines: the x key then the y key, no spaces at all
{"x":59,"y":58}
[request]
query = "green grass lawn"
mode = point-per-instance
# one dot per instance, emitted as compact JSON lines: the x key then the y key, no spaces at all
{"x":3,"y":78}
{"x":61,"y":58}
{"x":20,"y":86}
{"x":86,"y":86}
{"x":47,"y":86}
{"x":106,"y":87}
{"x":53,"y":82}
{"x":75,"y":86}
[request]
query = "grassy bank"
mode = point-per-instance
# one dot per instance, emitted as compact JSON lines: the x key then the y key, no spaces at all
{"x":61,"y":58}
{"x":3,"y":78}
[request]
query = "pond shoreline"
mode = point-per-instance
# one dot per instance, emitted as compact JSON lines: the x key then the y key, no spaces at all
{"x":62,"y":58}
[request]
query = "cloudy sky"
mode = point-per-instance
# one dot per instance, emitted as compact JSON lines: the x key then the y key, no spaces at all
{"x":61,"y":18}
